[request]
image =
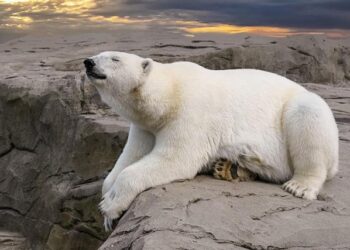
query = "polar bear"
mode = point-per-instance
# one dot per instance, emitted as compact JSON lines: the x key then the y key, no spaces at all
{"x":184,"y":116}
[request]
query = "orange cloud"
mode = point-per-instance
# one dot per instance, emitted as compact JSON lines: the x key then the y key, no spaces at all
{"x":117,"y":19}
{"x":234,"y":29}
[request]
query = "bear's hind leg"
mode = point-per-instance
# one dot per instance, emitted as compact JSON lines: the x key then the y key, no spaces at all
{"x":312,"y":140}
{"x":306,"y":184}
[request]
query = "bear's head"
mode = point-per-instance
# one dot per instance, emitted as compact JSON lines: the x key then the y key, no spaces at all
{"x":133,"y":86}
{"x":117,"y":71}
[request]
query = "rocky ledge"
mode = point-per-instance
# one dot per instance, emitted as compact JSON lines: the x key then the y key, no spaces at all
{"x":58,"y":141}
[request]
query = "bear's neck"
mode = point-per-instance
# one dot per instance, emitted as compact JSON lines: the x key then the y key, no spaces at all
{"x":155,"y":103}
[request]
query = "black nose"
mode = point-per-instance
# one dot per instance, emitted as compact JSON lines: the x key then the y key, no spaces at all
{"x":89,"y":64}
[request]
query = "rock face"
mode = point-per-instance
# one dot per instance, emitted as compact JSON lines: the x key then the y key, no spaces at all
{"x":205,"y":213}
{"x":309,"y":60}
{"x":58,"y":141}
{"x":53,"y":158}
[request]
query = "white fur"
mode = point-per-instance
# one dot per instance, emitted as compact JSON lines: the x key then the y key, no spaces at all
{"x":184,"y":116}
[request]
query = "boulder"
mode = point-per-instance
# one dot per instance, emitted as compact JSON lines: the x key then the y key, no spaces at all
{"x":53,"y":158}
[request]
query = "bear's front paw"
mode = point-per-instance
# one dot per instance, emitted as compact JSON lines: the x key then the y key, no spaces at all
{"x":110,"y":205}
{"x":107,"y":200}
{"x":114,"y":204}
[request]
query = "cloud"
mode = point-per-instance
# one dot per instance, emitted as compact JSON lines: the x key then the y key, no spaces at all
{"x":227,"y":16}
{"x":320,"y":14}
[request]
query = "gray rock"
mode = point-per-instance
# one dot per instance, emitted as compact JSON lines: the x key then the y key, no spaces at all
{"x":303,"y":60}
{"x":13,"y":241}
{"x":52,"y":162}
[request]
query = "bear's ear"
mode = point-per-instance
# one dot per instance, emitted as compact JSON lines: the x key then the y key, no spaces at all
{"x":146,"y":65}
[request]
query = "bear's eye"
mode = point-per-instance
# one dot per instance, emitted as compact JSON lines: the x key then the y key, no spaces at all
{"x":114,"y":59}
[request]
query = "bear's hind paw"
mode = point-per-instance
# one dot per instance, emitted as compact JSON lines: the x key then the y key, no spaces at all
{"x":222,"y":170}
{"x":300,"y":190}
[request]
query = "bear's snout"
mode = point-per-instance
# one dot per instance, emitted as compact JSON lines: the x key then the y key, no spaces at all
{"x":89,"y":64}
{"x":91,"y":70}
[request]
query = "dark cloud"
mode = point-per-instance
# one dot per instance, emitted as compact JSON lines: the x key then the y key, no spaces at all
{"x":308,"y":14}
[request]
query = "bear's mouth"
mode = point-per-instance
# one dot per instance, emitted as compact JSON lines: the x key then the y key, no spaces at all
{"x":96,"y":75}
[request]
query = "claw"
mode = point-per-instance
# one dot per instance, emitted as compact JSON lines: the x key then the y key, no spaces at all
{"x":101,"y":207}
{"x":108,"y":224}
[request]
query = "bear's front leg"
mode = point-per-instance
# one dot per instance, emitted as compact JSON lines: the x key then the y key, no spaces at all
{"x":139,"y":144}
{"x":166,"y":163}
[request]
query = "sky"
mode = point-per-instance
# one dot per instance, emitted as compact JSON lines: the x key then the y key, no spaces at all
{"x":265,"y":17}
